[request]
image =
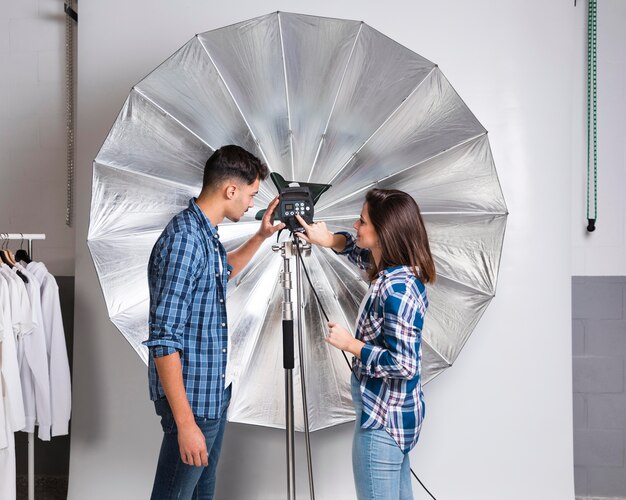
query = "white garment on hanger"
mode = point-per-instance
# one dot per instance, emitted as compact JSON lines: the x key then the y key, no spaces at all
{"x":7,"y":470}
{"x":9,"y":368}
{"x":58,"y":364}
{"x":11,"y":390}
{"x":21,"y":312}
{"x":33,"y":358}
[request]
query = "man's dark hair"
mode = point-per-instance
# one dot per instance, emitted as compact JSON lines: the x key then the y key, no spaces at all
{"x":230,"y":162}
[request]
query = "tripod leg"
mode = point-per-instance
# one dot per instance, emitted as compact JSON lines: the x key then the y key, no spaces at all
{"x":291,"y":457}
{"x":305,"y":406}
{"x":288,"y":364}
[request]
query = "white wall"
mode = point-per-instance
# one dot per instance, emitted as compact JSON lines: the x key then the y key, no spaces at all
{"x":498,"y":423}
{"x":603,"y":252}
{"x":32,"y":129}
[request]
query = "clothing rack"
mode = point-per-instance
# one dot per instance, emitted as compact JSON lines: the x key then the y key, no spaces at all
{"x":31,"y":436}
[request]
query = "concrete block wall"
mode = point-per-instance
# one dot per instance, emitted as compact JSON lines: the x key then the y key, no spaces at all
{"x":599,"y":382}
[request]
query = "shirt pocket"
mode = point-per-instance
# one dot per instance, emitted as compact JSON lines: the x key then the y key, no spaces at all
{"x":374,"y":321}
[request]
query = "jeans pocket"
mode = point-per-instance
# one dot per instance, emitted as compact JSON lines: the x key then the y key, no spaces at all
{"x":164,"y":411}
{"x":168,"y":423}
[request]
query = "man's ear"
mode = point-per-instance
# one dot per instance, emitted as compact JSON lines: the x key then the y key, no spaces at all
{"x":231,"y":190}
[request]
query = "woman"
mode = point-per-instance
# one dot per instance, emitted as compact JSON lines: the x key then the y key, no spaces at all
{"x":392,"y":246}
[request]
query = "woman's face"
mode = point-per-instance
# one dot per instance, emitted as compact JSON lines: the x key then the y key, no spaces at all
{"x":366,"y":237}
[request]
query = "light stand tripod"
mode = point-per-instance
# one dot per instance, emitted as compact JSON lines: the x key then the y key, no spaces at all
{"x":288,"y":249}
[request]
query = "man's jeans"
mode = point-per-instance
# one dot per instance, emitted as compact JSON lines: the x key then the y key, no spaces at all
{"x":174,"y":479}
{"x":381,"y":470}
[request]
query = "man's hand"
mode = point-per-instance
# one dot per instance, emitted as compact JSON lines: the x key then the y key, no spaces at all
{"x":268,"y":228}
{"x":192,"y":445}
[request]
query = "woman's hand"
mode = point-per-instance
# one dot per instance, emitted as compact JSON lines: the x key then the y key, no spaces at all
{"x":341,"y":338}
{"x":316,"y":233}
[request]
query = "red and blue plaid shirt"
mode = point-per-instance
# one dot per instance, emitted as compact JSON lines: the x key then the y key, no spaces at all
{"x":188,"y":310}
{"x":389,"y":370}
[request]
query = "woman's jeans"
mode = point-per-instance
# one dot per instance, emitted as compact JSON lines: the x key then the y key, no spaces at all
{"x":174,"y":479}
{"x":381,"y":470}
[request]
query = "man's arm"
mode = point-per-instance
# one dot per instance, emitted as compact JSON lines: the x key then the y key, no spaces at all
{"x":191,"y":441}
{"x":240,"y":257}
{"x":172,"y":277}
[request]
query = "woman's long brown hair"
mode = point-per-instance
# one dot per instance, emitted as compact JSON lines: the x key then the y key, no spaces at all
{"x":401,"y":233}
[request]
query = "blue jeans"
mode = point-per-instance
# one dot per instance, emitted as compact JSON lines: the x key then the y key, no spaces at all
{"x":381,"y":471}
{"x":174,"y":479}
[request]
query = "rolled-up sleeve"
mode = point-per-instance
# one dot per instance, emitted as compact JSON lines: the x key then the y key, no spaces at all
{"x":171,"y":275}
{"x":356,"y":255}
{"x":399,"y":358}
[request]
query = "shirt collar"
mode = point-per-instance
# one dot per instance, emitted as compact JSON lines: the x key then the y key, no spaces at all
{"x":394,"y":269}
{"x":204,"y":220}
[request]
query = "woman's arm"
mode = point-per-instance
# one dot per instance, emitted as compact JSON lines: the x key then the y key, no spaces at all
{"x":399,"y":359}
{"x":341,"y":242}
{"x":318,"y":234}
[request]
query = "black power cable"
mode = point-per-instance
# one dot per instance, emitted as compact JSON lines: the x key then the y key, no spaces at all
{"x":306,"y":272}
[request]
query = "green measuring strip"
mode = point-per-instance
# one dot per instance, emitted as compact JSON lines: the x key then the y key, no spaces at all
{"x":592,"y":112}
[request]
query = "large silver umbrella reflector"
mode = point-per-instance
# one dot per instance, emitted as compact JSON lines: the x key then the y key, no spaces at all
{"x":321,"y":100}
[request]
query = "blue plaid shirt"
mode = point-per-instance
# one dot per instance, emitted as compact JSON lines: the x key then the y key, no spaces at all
{"x":188,"y":309}
{"x":389,"y":370}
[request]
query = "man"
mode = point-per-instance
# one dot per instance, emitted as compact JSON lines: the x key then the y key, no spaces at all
{"x":188,"y":341}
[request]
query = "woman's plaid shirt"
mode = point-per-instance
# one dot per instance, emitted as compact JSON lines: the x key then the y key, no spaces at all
{"x":391,"y":359}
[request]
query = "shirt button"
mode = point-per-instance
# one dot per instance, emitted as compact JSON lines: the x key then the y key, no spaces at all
{"x":215,"y":236}
{"x":223,"y":350}
{"x":221,"y":301}
{"x":223,"y":375}
{"x":217,"y":275}
{"x":223,"y":324}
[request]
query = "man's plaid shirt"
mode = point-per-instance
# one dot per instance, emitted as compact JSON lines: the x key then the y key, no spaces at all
{"x":188,"y":308}
{"x":390,"y":367}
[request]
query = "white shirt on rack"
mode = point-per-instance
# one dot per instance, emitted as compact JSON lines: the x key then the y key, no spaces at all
{"x":16,"y":318}
{"x":58,"y":363}
{"x":33,"y":360}
{"x":9,"y":368}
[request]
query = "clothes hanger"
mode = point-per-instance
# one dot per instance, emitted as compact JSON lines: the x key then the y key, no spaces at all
{"x":22,"y":254}
{"x":7,"y":258}
{"x":3,"y":255}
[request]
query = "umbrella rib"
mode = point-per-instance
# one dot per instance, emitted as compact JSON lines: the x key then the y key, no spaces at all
{"x":465,"y":285}
{"x":158,"y":106}
{"x":322,"y":321}
{"x":256,"y":141}
{"x":421,"y":162}
{"x":356,"y":216}
{"x":144,"y":174}
{"x":282,"y":49}
{"x":435,"y":350}
{"x":332,"y":110}
{"x":133,"y":304}
{"x":120,"y":236}
{"x":254,"y":287}
{"x":342,"y":263}
{"x":245,"y":277}
{"x":393,"y":113}
{"x":473,"y":324}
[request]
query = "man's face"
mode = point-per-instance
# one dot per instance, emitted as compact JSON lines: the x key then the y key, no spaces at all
{"x":242,"y":200}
